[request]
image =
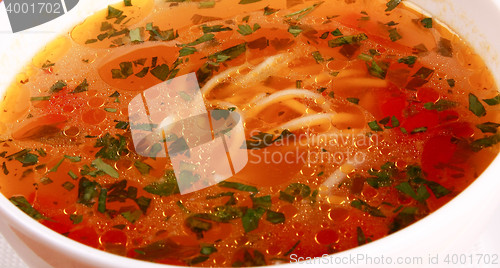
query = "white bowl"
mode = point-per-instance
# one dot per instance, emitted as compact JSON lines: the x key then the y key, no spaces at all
{"x":453,"y":229}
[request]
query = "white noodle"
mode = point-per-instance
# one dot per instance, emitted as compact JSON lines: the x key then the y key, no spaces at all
{"x":286,"y":95}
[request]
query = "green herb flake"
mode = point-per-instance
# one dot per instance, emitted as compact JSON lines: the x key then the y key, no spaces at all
{"x":337,"y":32}
{"x":68,"y":185}
{"x":208,"y":249}
{"x":4,"y":168}
{"x":245,"y":2}
{"x":214,"y":28}
{"x":445,"y":48}
{"x":426,"y":22}
{"x":493,"y":101}
{"x":57,"y":86}
{"x":475,"y":106}
{"x":375,"y":126}
{"x":142,"y":167}
{"x":40,"y":98}
{"x":421,"y":194}
{"x":440,"y":105}
{"x":361,"y":236}
{"x":286,"y":197}
{"x":394,"y":35}
{"x":275,"y":217}
{"x":317,"y":57}
{"x":295,"y":30}
{"x":83,"y":86}
{"x":46,"y":180}
{"x":353,"y":100}
{"x":113,"y":13}
{"x":451,"y":82}
{"x":488,"y":127}
{"x":204,"y":38}
{"x":262,"y":201}
{"x":268,"y":11}
{"x":238,"y":186}
{"x":392,"y":4}
{"x":110,"y":110}
{"x":111,"y":147}
{"x":185,"y":51}
{"x":288,"y":252}
{"x":25,"y":206}
{"x":419,"y":130}
{"x":207,"y":4}
{"x":132,"y":216}
{"x":135,"y":35}
{"x":165,"y":187}
{"x":127,"y":3}
{"x":346,"y":40}
{"x":99,"y":164}
{"x":75,"y":218}
{"x":363,"y":206}
{"x":72,"y":175}
{"x":410,"y":60}
{"x":303,"y":12}
{"x":485,"y":142}
{"x":250,"y":220}
{"x":244,"y":29}
{"x":27,"y":159}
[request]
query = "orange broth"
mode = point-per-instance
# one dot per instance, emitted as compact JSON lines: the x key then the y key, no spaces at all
{"x":403,"y":117}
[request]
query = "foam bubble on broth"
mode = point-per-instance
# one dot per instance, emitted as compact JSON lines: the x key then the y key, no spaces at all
{"x":355,"y":123}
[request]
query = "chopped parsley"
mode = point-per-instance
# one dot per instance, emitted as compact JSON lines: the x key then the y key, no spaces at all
{"x":245,"y":2}
{"x":250,"y":220}
{"x":345,"y":40}
{"x":493,"y":101}
{"x":83,"y":86}
{"x":426,"y":22}
{"x":214,"y":28}
{"x":485,"y":142}
{"x":25,"y":206}
{"x":57,"y":86}
{"x":475,"y":106}
{"x":440,"y":105}
{"x":165,"y":187}
{"x":410,"y":60}
{"x":268,"y":11}
{"x":375,"y":126}
{"x":394,"y":35}
{"x":111,"y":147}
{"x":363,"y":206}
{"x":392,"y":4}
{"x":238,"y":186}
{"x":488,"y":127}
{"x":295,"y":30}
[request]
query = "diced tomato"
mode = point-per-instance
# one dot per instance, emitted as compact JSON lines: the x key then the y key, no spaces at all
{"x":86,"y":235}
{"x":60,"y":223}
{"x":425,"y":118}
{"x":438,"y":151}
{"x":427,"y":94}
{"x":116,"y":237}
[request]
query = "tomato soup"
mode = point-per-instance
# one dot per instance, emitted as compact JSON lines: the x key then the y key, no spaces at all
{"x":244,"y":132}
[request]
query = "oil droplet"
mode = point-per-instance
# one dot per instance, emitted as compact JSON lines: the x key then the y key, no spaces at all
{"x":94,"y":116}
{"x":123,"y":164}
{"x":326,"y":237}
{"x":338,"y":214}
{"x":347,"y":168}
{"x":72,"y":131}
{"x":95,"y":102}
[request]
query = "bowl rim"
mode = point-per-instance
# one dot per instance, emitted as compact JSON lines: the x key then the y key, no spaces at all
{"x":486,"y":181}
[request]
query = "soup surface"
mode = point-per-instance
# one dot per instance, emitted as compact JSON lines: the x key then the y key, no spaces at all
{"x":245,"y":133}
